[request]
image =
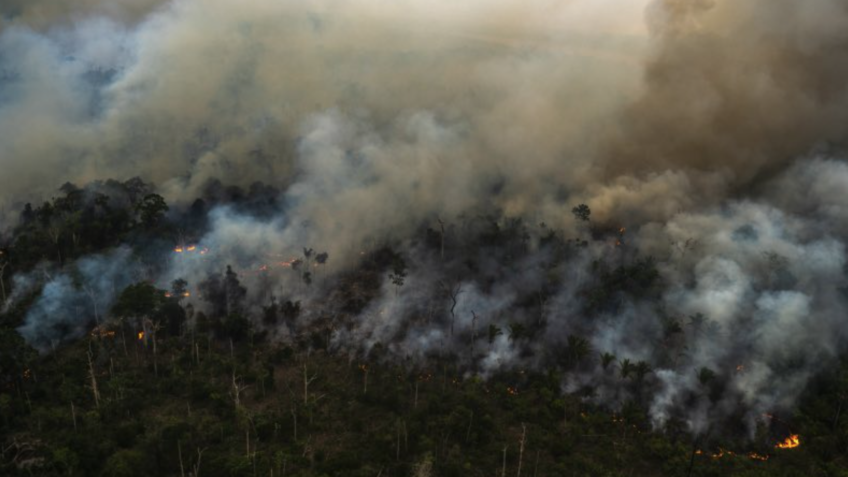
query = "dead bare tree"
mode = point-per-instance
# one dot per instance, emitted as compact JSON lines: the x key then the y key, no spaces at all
{"x":536,"y":466}
{"x":93,"y":378}
{"x":452,"y":292}
{"x":55,"y":233}
{"x":521,"y":447}
{"x":503,"y":468}
{"x":442,"y":238}
{"x":150,"y":327}
{"x":307,"y":380}
{"x":91,"y":295}
{"x":293,"y":411}
{"x":236,"y":390}
{"x":195,"y":470}
{"x":180,"y":455}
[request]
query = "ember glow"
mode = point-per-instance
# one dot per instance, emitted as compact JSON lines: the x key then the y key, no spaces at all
{"x":720,"y":453}
{"x":140,"y":335}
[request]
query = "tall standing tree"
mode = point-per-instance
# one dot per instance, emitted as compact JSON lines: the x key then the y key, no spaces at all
{"x":235,"y":292}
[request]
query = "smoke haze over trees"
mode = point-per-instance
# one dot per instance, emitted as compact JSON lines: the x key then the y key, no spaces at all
{"x":645,"y":196}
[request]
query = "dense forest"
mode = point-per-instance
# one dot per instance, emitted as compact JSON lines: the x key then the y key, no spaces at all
{"x":423,"y":238}
{"x":259,"y":369}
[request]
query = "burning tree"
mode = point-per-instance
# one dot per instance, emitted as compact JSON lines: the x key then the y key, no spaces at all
{"x":140,"y":302}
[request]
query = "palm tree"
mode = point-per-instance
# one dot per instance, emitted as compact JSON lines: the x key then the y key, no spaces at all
{"x":578,"y":348}
{"x":626,"y":368}
{"x":607,"y":359}
{"x":641,"y":369}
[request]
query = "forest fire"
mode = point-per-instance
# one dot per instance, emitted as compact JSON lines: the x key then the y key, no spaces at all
{"x":101,"y":333}
{"x":140,"y":335}
{"x":790,"y":442}
{"x":511,"y":391}
{"x":190,"y":248}
{"x":724,"y":452}
{"x":184,"y":294}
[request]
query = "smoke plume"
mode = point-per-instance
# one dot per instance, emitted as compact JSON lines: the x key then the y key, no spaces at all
{"x":711,"y":132}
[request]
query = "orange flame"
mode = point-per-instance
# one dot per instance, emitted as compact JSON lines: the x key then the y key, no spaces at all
{"x":178,"y":250}
{"x":191,"y":248}
{"x":790,"y":442}
{"x":723,"y":452}
{"x":511,"y":391}
{"x":140,"y":335}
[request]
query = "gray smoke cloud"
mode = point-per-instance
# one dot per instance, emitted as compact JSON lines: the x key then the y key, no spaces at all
{"x":73,"y":298}
{"x":705,"y":127}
